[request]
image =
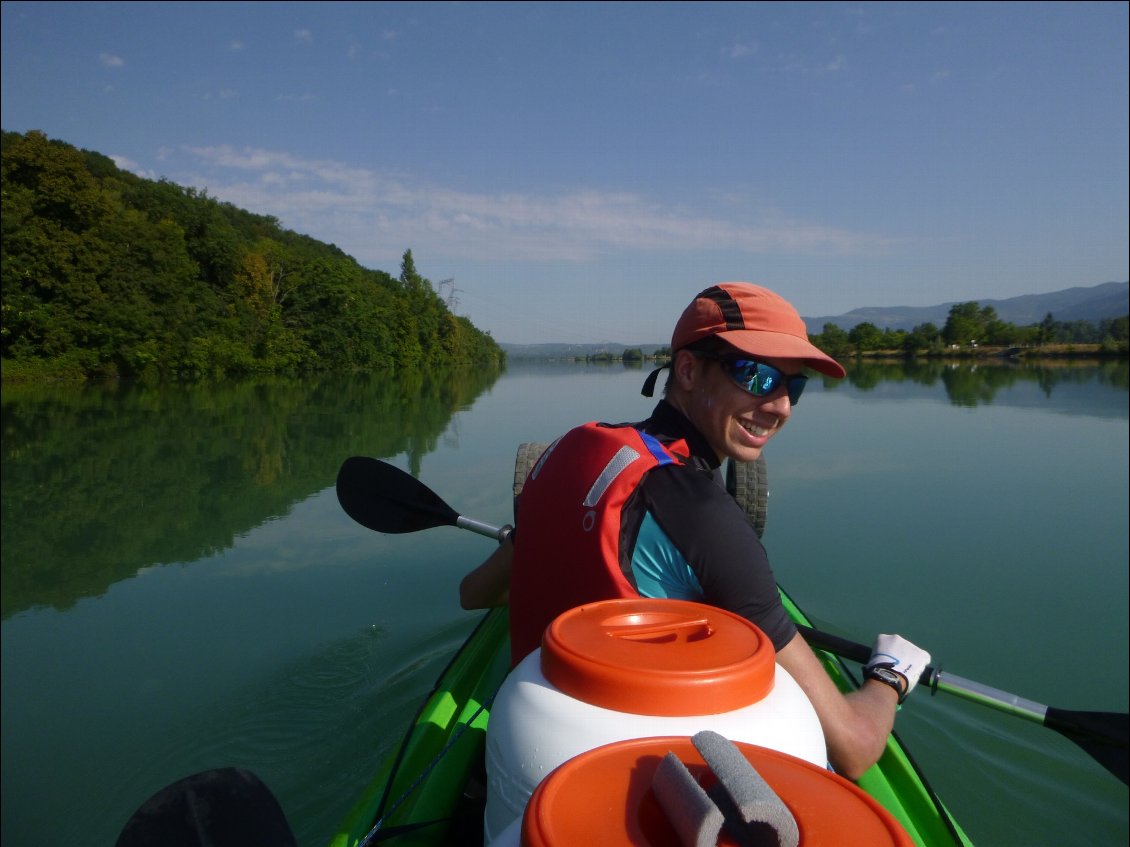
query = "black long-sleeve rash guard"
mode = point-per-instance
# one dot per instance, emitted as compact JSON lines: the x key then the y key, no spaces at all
{"x":706,"y":527}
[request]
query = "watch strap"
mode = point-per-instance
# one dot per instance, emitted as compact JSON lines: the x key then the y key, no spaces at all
{"x":885,"y":673}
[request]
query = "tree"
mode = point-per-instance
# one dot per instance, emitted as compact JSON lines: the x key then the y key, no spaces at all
{"x":1047,"y":329}
{"x":925,"y":336}
{"x":963,"y":326}
{"x":833,"y":341}
{"x":633,"y":354}
{"x":865,"y":336}
{"x":409,"y":277}
{"x":105,"y":273}
{"x":51,"y":259}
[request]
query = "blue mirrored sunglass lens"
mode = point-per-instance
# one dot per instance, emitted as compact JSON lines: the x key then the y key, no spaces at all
{"x":760,"y":379}
{"x":756,"y":377}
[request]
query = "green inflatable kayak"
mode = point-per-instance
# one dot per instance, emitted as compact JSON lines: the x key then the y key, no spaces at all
{"x":430,"y":790}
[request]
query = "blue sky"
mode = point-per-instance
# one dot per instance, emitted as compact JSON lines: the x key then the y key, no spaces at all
{"x":581,"y":170}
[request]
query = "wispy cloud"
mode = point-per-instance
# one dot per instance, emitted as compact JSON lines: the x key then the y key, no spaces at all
{"x":303,"y":35}
{"x":740,"y":50}
{"x":109,"y":60}
{"x":127,"y":164}
{"x":375,"y":216}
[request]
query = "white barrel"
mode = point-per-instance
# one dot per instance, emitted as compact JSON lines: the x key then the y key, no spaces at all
{"x":509,"y":837}
{"x":638,"y":668}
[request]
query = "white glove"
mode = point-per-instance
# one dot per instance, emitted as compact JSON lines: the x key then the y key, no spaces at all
{"x":906,"y":659}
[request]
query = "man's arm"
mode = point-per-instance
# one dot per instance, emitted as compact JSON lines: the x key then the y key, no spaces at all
{"x":488,"y":585}
{"x":856,"y":725}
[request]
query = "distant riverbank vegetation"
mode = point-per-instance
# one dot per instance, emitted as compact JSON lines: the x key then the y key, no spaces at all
{"x":106,"y":274}
{"x":971,"y":331}
{"x":975,"y":331}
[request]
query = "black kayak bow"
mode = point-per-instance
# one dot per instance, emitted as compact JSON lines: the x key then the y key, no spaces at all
{"x":226,"y":807}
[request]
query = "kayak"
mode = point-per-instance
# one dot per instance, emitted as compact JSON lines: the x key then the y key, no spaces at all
{"x":430,"y":789}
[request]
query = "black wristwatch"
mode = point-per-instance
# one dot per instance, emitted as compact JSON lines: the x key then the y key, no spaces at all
{"x":886,"y":674}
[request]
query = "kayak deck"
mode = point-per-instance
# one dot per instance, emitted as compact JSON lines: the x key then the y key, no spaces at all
{"x":430,"y":789}
{"x":419,"y":794}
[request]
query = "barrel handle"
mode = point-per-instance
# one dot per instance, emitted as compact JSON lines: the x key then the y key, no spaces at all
{"x":663,"y":630}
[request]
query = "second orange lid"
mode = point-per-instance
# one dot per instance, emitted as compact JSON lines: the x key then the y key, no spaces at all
{"x":605,"y":796}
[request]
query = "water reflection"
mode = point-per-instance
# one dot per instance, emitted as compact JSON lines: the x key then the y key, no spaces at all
{"x":981,"y":383}
{"x":103,"y":480}
{"x":100,"y":481}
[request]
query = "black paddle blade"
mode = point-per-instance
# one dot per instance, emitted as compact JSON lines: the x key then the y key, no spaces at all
{"x":229,"y":807}
{"x":382,"y":497}
{"x":1102,"y":734}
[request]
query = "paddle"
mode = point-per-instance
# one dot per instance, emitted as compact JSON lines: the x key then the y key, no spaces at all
{"x":1102,"y":734}
{"x":382,"y":497}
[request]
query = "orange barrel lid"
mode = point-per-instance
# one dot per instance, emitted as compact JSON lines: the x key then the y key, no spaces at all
{"x":658,"y":657}
{"x":604,"y":796}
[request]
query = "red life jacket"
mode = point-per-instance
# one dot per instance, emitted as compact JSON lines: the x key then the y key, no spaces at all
{"x":567,"y":549}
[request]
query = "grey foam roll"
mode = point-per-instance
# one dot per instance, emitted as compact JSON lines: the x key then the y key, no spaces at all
{"x":695,"y":817}
{"x":749,"y":804}
{"x":754,"y":798}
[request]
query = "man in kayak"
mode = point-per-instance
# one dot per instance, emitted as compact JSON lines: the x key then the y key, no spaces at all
{"x":638,"y":510}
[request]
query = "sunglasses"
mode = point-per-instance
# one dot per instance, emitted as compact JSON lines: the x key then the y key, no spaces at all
{"x":759,"y":378}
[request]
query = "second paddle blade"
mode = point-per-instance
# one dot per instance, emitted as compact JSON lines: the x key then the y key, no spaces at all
{"x":384,"y":498}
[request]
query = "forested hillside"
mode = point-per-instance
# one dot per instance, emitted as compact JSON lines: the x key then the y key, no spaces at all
{"x":108,"y":274}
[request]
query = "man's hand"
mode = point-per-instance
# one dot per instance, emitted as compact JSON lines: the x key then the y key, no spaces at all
{"x":895,"y":653}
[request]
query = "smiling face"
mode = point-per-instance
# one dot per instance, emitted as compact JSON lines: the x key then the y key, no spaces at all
{"x":735,"y":423}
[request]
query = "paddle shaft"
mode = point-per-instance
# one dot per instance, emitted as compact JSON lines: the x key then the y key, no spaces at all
{"x":499,"y":533}
{"x":935,"y":678}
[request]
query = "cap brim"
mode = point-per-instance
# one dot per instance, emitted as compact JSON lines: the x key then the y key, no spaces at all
{"x":781,"y":345}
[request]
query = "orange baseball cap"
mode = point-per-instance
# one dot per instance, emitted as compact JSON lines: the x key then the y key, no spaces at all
{"x":755,"y":321}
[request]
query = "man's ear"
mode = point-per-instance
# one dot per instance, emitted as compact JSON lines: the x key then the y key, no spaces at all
{"x":686,"y":368}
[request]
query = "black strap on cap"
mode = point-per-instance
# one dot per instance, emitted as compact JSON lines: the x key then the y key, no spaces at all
{"x":731,"y":311}
{"x":649,"y":383}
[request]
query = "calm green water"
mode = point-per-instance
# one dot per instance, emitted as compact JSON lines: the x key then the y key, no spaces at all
{"x":180,"y":590}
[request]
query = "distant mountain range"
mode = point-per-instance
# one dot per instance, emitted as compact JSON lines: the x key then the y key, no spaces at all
{"x":1097,"y":303}
{"x":1094,"y":304}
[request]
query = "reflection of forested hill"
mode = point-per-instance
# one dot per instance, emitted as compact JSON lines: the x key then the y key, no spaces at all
{"x":104,"y":480}
{"x":1053,"y":382}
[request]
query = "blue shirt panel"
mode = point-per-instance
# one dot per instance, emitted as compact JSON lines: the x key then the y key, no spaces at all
{"x":660,"y":570}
